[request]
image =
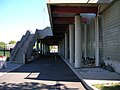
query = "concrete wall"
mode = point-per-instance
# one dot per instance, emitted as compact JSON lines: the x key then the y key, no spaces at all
{"x":110,"y":36}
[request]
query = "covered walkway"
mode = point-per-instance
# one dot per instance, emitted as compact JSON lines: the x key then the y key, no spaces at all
{"x":44,"y":73}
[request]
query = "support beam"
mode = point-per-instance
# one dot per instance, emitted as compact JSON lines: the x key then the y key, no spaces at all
{"x":72,"y":42}
{"x":66,"y":45}
{"x":66,"y":20}
{"x":78,"y":43}
{"x":60,"y":47}
{"x":44,"y":48}
{"x":96,"y":41}
{"x":48,"y":50}
{"x":41,"y":46}
{"x":37,"y":46}
{"x":63,"y":47}
{"x":73,"y":9}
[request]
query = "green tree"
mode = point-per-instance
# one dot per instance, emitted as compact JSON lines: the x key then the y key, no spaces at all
{"x":2,"y":45}
{"x":12,"y":42}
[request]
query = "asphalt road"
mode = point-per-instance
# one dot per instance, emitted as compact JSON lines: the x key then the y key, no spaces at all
{"x":44,"y":73}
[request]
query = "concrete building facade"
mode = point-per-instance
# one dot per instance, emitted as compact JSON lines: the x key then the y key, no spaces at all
{"x":87,"y":33}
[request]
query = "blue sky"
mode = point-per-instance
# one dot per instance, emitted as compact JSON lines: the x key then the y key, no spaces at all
{"x":17,"y":16}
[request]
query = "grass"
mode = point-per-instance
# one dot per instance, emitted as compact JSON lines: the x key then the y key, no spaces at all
{"x":108,"y":86}
{"x":7,"y":53}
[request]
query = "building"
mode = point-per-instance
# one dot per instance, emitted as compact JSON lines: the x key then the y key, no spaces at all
{"x":88,"y":30}
{"x":87,"y":33}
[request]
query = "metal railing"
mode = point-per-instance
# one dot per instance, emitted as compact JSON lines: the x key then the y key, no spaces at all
{"x":5,"y":52}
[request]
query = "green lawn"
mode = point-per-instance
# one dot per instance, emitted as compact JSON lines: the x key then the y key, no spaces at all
{"x":113,"y":86}
{"x":7,"y":53}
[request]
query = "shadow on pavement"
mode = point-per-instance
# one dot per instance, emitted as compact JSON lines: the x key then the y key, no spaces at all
{"x":33,"y":86}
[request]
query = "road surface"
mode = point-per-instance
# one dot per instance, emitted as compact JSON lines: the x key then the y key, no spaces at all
{"x":44,"y":73}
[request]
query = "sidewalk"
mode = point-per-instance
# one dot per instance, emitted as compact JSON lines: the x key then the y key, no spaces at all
{"x":90,"y":76}
{"x":10,"y":67}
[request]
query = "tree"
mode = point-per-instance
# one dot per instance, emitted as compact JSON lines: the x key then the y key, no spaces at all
{"x":12,"y":42}
{"x":2,"y":45}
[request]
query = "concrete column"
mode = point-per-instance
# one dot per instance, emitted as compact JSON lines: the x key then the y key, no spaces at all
{"x":85,"y":40}
{"x":60,"y":47}
{"x":78,"y":44}
{"x":48,"y":48}
{"x":63,"y":48}
{"x":72,"y":42}
{"x":37,"y":45}
{"x":40,"y":46}
{"x":44,"y":48}
{"x":96,"y":41}
{"x":66,"y":45}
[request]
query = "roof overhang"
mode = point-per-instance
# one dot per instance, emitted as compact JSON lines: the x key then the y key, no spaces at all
{"x":62,"y":12}
{"x":78,"y":1}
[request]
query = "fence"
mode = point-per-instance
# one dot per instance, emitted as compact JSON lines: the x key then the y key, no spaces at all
{"x":5,"y":53}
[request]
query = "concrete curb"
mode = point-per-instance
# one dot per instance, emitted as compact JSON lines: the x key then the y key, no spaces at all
{"x":14,"y":68}
{"x":1,"y":74}
{"x":78,"y":74}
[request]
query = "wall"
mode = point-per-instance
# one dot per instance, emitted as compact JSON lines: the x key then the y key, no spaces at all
{"x":110,"y":35}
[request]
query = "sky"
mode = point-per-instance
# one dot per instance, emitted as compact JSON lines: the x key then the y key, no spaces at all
{"x":18,"y":16}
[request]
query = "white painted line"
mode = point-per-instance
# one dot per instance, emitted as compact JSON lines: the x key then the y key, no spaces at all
{"x":14,"y":68}
{"x":3,"y":73}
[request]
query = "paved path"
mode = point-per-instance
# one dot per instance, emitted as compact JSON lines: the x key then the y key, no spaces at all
{"x":90,"y":76}
{"x":9,"y":66}
{"x":45,"y":73}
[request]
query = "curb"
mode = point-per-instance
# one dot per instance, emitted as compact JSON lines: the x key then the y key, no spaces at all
{"x":10,"y":70}
{"x":78,"y":75}
{"x":14,"y":68}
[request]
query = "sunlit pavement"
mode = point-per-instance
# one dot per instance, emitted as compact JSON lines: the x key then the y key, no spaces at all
{"x":44,"y":73}
{"x":9,"y":67}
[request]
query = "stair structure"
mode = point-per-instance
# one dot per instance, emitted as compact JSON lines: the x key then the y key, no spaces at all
{"x":23,"y":48}
{"x":22,"y":51}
